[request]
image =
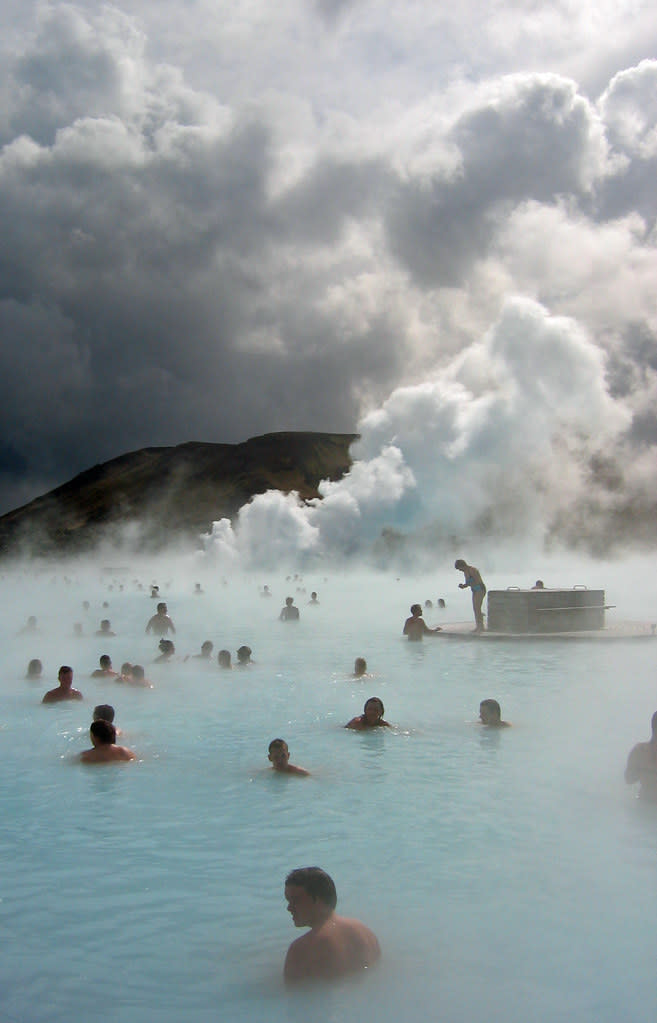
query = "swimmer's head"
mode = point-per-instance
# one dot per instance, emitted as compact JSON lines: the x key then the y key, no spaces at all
{"x":441,"y":602}
{"x":161,"y":608}
{"x":104,"y":712}
{"x":460,"y":564}
{"x":244,"y":655}
{"x":279,"y":754}
{"x":223,"y":659}
{"x":103,"y":733}
{"x":34,"y":668}
{"x":360,"y":666}
{"x":137,"y":672}
{"x":373,"y":710}
{"x":126,"y":668}
{"x":316,"y":883}
{"x":166,"y":646}
{"x":416,"y":610}
{"x":105,"y":661}
{"x":490,"y":712}
{"x":289,"y":601}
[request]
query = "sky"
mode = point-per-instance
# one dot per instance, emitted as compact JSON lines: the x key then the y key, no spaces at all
{"x":434,"y":227}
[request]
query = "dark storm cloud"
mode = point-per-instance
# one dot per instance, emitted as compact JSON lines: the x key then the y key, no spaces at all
{"x":532,"y":138}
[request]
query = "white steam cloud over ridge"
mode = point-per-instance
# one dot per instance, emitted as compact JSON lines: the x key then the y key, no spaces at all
{"x":502,"y":438}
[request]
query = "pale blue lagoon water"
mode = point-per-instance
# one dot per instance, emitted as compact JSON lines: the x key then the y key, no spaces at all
{"x":510,"y":876}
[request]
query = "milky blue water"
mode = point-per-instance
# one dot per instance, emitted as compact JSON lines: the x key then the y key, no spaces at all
{"x":509,"y":875}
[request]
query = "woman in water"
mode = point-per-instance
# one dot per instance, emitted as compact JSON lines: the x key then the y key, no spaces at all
{"x":476,"y":583}
{"x":372,"y":716}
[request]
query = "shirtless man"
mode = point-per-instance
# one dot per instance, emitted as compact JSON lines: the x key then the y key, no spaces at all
{"x":64,"y":690}
{"x":160,"y":623}
{"x":290,"y":613}
{"x":106,"y":670}
{"x":476,"y":583}
{"x":415,"y":627}
{"x":104,"y":749}
{"x":279,"y":755}
{"x":642,"y":765}
{"x":335,"y":945}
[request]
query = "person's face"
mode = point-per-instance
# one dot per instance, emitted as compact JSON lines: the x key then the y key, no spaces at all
{"x":280,"y":756}
{"x":66,"y":679}
{"x":487,"y":715}
{"x":300,"y":905}
{"x":373,"y":712}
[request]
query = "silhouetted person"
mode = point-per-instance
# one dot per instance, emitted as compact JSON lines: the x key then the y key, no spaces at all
{"x":160,"y":624}
{"x":34,"y":670}
{"x":290,"y":613}
{"x":642,"y":765}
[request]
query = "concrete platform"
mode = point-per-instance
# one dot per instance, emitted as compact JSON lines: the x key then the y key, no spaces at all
{"x":615,"y":631}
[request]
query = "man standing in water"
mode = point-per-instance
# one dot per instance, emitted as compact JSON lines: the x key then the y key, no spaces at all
{"x":642,"y":765}
{"x":64,"y":690}
{"x":335,"y":945}
{"x":160,"y":623}
{"x":476,"y":583}
{"x":415,"y":627}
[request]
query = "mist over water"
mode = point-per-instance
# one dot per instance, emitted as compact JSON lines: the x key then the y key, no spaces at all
{"x":507,"y":874}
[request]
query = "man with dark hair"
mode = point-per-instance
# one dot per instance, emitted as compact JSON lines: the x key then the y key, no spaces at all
{"x":415,"y":627}
{"x":160,"y":624}
{"x":279,"y":755}
{"x":64,"y":690}
{"x":105,"y":670}
{"x":104,"y":749}
{"x":290,"y":613}
{"x":335,"y":945}
{"x":642,"y":765}
{"x":490,"y":714}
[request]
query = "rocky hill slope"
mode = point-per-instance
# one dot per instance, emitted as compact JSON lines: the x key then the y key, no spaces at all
{"x":174,"y":493}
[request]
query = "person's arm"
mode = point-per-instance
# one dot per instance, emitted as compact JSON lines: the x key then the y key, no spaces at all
{"x":172,"y":626}
{"x":633,"y":768}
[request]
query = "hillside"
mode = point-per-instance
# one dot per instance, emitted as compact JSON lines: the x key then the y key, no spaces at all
{"x":175,"y":493}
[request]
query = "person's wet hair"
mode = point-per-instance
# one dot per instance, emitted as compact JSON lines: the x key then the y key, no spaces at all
{"x":244,"y":654}
{"x":276,"y":744}
{"x":34,"y":668}
{"x":104,"y":731}
{"x":316,"y":882}
{"x":104,"y":712}
{"x":492,"y":706}
{"x":223,"y":659}
{"x":137,"y":672}
{"x":377,"y":700}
